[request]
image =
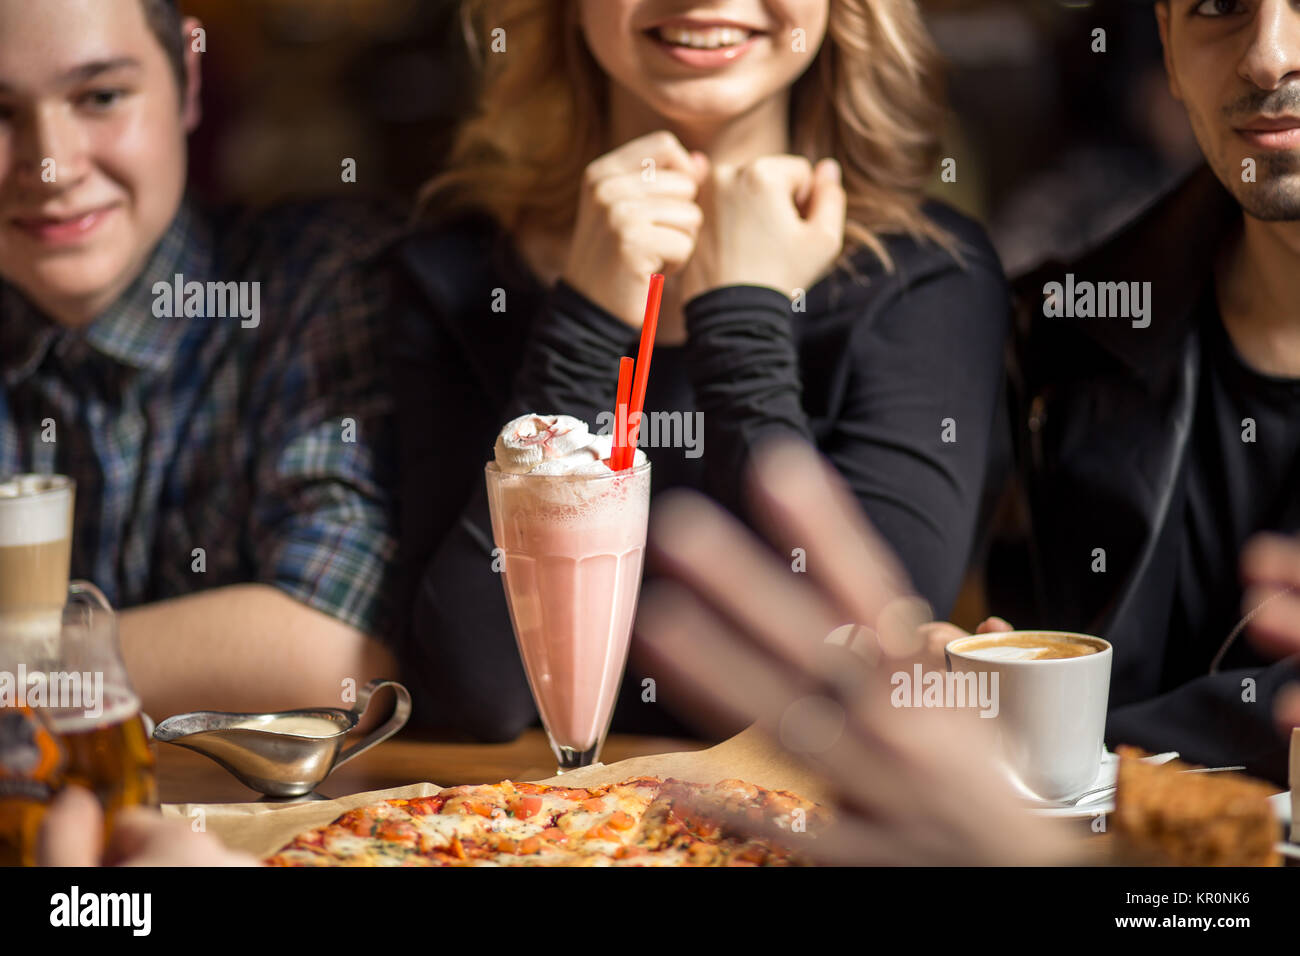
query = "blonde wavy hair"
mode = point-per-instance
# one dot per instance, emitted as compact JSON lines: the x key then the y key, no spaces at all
{"x":873,"y":99}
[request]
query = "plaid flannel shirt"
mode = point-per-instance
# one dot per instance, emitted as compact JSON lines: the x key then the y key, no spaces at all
{"x":208,"y":452}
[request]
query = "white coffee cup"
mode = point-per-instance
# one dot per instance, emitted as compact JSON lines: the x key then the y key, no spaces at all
{"x":1051,"y":711}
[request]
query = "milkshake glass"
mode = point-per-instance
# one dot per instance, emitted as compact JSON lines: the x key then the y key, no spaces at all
{"x":571,"y":548}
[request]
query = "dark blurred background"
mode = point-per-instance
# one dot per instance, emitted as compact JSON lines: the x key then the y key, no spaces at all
{"x":293,"y":87}
{"x":1055,"y":144}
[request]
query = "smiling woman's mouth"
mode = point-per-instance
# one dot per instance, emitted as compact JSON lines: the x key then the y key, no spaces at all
{"x":704,"y":46}
{"x":706,"y":38}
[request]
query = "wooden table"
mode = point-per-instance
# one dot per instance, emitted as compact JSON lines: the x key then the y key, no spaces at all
{"x":188,"y":777}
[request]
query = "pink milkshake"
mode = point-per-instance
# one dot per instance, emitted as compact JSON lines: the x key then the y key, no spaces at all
{"x":571,"y":534}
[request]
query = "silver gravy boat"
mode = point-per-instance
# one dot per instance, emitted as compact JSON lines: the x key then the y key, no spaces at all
{"x":282,"y":765}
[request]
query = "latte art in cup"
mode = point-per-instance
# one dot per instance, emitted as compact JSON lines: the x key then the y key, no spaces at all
{"x":1026,"y":647}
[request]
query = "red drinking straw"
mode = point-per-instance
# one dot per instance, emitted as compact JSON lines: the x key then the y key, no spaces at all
{"x":640,"y":380}
{"x":620,"y":413}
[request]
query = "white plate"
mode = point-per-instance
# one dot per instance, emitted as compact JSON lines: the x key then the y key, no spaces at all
{"x":1281,"y":802}
{"x":1282,"y":807}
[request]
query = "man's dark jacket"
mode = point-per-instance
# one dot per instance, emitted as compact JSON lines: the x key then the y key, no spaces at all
{"x":1102,"y":421}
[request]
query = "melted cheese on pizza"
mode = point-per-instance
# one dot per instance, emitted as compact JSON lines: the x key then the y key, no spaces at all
{"x":639,"y":822}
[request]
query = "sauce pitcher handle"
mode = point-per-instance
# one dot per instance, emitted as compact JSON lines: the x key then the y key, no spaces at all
{"x":401,"y":713}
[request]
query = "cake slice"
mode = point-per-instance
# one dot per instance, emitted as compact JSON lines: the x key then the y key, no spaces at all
{"x":1166,"y":817}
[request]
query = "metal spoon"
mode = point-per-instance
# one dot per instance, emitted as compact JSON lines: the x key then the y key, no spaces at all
{"x":1088,"y":795}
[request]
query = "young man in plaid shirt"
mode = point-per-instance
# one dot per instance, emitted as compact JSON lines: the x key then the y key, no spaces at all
{"x":229,"y":442}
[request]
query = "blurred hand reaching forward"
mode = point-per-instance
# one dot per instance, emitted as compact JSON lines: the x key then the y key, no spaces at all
{"x":731,"y":624}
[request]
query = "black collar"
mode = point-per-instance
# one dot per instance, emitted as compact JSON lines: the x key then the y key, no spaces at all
{"x":1172,"y":244}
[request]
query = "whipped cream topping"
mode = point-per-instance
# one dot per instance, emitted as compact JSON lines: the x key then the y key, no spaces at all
{"x":553,"y":445}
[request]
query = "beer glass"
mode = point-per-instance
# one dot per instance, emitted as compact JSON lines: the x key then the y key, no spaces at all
{"x":73,"y":718}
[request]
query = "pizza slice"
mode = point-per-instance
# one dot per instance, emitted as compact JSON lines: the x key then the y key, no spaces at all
{"x":496,"y":824}
{"x":643,"y":821}
{"x":721,"y":824}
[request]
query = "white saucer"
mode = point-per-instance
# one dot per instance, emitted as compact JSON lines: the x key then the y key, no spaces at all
{"x":1105,"y":803}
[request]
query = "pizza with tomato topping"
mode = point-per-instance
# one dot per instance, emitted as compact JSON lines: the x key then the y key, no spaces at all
{"x":644,"y":821}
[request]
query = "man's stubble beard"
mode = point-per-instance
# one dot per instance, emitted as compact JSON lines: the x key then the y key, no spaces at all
{"x":1274,"y":196}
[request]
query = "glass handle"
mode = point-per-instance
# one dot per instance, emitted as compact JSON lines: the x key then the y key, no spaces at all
{"x":83,"y":592}
{"x":94,"y":621}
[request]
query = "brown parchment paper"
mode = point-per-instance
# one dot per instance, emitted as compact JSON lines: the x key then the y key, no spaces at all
{"x":261,"y":828}
{"x":1295,"y":784}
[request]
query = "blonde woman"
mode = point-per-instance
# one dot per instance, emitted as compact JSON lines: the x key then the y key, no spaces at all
{"x":770,"y":157}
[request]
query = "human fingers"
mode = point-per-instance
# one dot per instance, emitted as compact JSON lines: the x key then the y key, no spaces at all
{"x":1271,"y":559}
{"x":143,"y":837}
{"x":652,"y":153}
{"x":891,"y":773}
{"x":827,"y":205}
{"x":803,"y":503}
{"x":1275,"y":619}
{"x":768,"y":603}
{"x":629,"y":214}
{"x":788,"y":176}
{"x":1286,"y":709}
{"x":667,"y":184}
{"x":935,"y":637}
{"x":72,"y":832}
{"x":722,"y":678}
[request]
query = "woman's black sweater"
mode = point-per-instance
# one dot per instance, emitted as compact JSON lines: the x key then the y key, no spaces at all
{"x":894,"y":375}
